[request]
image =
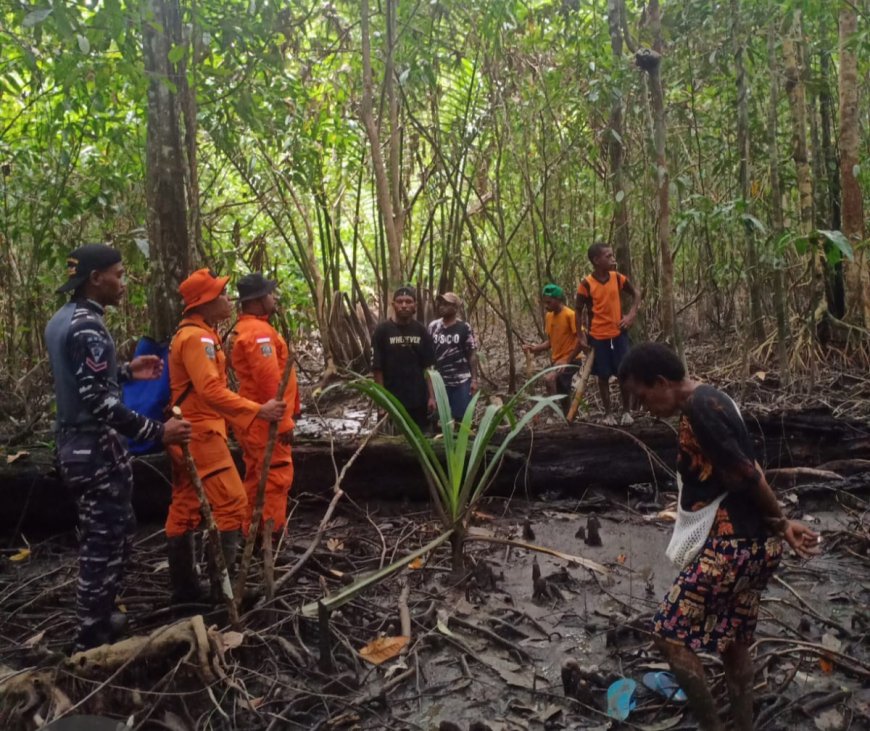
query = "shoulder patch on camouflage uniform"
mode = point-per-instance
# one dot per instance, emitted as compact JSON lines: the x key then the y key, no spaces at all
{"x":97,"y":348}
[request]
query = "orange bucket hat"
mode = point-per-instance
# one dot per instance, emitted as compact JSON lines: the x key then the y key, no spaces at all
{"x":200,"y":287}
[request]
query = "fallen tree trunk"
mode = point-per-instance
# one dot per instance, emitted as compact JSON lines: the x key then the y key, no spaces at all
{"x":567,"y":459}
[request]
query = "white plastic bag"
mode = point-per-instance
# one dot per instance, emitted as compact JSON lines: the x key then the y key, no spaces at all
{"x":692,"y":527}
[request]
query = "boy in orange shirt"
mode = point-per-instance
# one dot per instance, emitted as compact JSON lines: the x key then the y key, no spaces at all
{"x":561,"y":329}
{"x":602,"y":326}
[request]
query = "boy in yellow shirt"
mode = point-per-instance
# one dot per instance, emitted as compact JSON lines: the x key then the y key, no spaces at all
{"x":561,"y":329}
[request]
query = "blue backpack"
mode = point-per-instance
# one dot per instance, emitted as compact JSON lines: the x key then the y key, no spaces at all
{"x":149,"y":398}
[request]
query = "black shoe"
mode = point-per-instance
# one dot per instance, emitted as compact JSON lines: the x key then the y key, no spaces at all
{"x":117,"y":625}
{"x":183,"y":579}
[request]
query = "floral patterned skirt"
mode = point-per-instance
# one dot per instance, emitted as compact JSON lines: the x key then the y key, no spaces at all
{"x":714,"y":601}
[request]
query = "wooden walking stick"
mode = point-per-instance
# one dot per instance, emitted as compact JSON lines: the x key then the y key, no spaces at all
{"x":219,"y":565}
{"x":260,"y":499}
{"x":530,"y":360}
{"x":581,"y":386}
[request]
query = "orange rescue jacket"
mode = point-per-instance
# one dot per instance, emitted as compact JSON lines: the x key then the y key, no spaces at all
{"x":258,"y":355}
{"x":198,"y":377}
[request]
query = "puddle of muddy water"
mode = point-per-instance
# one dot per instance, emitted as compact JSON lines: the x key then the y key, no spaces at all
{"x":351,"y":423}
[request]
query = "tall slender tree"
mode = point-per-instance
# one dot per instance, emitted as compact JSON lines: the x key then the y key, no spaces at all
{"x":166,"y":174}
{"x":857,"y":272}
{"x":616,"y":143}
{"x":650,"y":61}
{"x":752,"y":267}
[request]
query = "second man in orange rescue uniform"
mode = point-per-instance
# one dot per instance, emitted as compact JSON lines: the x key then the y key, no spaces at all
{"x":197,"y":371}
{"x":258,"y":355}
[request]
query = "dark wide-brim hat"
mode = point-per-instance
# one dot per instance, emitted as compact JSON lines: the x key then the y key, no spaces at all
{"x":255,"y":285}
{"x":86,"y":259}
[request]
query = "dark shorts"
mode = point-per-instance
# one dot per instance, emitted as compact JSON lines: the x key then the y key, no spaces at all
{"x":714,"y":601}
{"x":608,"y":354}
{"x":564,"y":378}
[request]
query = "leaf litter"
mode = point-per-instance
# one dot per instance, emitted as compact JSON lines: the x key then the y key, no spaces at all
{"x":479,"y":652}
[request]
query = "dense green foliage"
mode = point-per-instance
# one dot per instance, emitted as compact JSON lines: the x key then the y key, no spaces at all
{"x":495,"y":121}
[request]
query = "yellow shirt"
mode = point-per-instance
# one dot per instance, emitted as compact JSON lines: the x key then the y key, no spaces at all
{"x":561,"y":329}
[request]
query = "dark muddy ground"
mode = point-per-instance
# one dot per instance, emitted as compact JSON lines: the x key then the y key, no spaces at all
{"x":488,"y":648}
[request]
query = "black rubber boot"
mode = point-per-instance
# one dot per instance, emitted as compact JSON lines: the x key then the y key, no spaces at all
{"x":92,"y":636}
{"x":183,"y":579}
{"x":229,"y":543}
{"x":117,"y":624}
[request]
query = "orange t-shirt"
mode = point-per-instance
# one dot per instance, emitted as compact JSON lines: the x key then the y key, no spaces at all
{"x":196,"y":358}
{"x":561,"y":329}
{"x":258,"y":355}
{"x":606,"y":305}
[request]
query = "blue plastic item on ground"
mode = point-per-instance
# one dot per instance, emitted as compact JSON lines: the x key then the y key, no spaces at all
{"x":665,"y":684}
{"x":620,"y":698}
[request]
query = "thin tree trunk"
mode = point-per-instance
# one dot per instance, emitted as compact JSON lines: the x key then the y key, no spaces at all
{"x":857,"y":272}
{"x":779,"y":300}
{"x":616,"y":148}
{"x":395,"y":141}
{"x":391,"y":222}
{"x":798,"y":103}
{"x":650,"y":61}
{"x":754,"y":275}
{"x":828,"y":202}
{"x":165,"y":174}
{"x":190,"y":107}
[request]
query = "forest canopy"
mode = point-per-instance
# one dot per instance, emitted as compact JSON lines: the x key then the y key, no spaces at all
{"x":477,"y":146}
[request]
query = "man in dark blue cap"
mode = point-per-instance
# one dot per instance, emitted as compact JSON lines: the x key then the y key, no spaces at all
{"x":92,"y":424}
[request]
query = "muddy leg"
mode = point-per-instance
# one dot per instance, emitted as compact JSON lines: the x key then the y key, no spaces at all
{"x":604,"y":391}
{"x":550,"y":383}
{"x":689,"y":671}
{"x":626,"y":398}
{"x":739,"y":674}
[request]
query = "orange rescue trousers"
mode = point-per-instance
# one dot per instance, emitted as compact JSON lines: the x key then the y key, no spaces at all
{"x":253,"y":442}
{"x":220,"y":480}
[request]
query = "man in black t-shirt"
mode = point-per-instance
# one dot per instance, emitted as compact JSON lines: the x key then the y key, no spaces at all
{"x":402,"y":351}
{"x":455,"y":353}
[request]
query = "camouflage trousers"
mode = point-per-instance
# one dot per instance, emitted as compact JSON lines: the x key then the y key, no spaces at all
{"x":97,"y":469}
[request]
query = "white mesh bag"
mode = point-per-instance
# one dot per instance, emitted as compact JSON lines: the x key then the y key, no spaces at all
{"x":692,"y":526}
{"x":690,"y":529}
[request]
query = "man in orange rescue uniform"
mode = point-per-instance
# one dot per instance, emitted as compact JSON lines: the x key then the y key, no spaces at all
{"x":197,"y":377}
{"x":258,"y":355}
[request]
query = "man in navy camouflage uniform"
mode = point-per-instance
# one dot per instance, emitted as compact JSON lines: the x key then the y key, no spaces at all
{"x":92,"y":422}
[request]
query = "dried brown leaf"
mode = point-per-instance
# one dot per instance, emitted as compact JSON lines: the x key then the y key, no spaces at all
{"x":383,"y":648}
{"x":10,"y":458}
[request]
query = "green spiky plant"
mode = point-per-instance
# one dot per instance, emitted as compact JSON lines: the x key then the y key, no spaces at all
{"x":472,"y":457}
{"x":470,"y":463}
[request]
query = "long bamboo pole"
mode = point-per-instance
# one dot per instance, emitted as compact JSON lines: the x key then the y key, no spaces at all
{"x":581,"y":386}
